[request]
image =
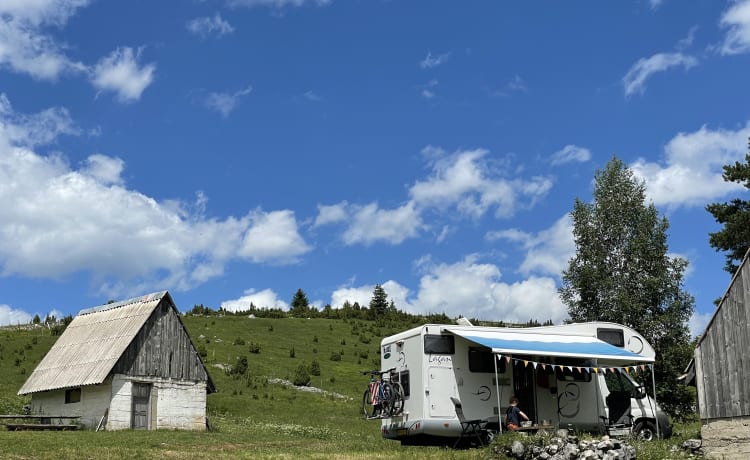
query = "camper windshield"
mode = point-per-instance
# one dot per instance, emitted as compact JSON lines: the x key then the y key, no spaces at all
{"x":618,"y":382}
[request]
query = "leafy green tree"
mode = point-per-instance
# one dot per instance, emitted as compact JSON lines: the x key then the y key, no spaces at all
{"x":379,"y":302}
{"x":734,"y":238}
{"x":621,"y":273}
{"x":300,"y":307}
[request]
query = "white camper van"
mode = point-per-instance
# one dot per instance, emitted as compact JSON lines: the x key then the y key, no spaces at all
{"x":569,"y":376}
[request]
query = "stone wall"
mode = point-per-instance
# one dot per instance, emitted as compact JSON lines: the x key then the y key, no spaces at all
{"x":726,"y":439}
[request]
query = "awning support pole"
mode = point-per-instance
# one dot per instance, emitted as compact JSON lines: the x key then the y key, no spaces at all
{"x":497,"y":395}
{"x":653,"y":384}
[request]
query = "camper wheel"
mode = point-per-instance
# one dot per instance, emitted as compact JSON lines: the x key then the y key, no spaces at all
{"x":645,"y":430}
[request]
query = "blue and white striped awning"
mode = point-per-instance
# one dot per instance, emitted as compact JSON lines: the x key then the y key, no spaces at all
{"x":510,"y":342}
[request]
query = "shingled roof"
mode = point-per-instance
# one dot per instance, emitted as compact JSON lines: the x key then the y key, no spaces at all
{"x":91,"y":345}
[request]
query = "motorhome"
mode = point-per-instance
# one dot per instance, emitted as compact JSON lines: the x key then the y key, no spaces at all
{"x":575,"y":376}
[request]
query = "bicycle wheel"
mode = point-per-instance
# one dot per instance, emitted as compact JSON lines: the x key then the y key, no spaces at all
{"x":386,"y":399}
{"x":397,"y":402}
{"x":368,"y":410}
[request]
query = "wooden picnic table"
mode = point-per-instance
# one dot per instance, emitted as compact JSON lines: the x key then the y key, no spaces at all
{"x":45,"y":422}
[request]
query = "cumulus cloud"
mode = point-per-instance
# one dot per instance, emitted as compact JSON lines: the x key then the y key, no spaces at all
{"x":36,"y":129}
{"x":266,"y":298}
{"x":698,"y":323}
{"x":547,"y":252}
{"x":691,"y":173}
{"x":209,"y":25}
{"x":570,"y":153}
{"x":368,"y":224}
{"x":121,"y":73}
{"x":737,"y":22}
{"x":465,"y":180}
{"x":431,"y":60}
{"x":57,"y":220}
{"x":10,"y":316}
{"x":471,"y":289}
{"x":635,"y":80}
{"x":26,"y":48}
{"x":225,"y":103}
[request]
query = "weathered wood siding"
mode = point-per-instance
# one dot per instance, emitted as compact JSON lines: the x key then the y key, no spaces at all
{"x":722,"y":357}
{"x":173,"y":404}
{"x":94,"y":401}
{"x":162,"y":348}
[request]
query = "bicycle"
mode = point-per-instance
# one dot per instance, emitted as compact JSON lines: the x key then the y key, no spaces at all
{"x":383,"y":397}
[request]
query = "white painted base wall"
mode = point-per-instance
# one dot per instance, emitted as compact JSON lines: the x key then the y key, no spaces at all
{"x":174,"y":404}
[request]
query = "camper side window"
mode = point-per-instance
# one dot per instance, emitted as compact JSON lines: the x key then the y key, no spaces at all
{"x":439,"y":345}
{"x":611,"y":336}
{"x":480,"y":360}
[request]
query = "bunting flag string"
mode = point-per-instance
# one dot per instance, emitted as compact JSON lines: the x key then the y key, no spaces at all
{"x":579,"y":369}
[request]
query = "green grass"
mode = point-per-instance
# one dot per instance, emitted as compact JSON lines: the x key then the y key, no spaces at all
{"x":250,"y":417}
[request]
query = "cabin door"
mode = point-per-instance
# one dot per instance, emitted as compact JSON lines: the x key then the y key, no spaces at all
{"x":523,"y":388}
{"x":141,"y":405}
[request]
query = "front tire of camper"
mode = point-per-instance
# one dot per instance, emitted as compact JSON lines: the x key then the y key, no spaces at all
{"x":645,"y":431}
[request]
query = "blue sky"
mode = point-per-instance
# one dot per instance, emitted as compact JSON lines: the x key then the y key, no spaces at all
{"x":233,"y":151}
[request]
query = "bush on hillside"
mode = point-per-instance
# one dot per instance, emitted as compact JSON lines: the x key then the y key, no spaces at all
{"x":335,"y":356}
{"x":302,"y":375}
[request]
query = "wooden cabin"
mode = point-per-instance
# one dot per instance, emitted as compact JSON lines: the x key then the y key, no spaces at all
{"x":722,"y":372}
{"x":132,"y":361}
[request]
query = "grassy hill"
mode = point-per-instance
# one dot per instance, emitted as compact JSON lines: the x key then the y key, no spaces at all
{"x":253,"y":415}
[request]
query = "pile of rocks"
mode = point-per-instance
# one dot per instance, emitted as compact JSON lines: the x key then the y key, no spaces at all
{"x":562,"y":446}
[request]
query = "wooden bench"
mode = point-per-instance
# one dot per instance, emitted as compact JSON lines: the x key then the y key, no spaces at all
{"x":44,"y":422}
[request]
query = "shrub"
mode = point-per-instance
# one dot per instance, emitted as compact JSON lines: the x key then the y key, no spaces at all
{"x":364,"y":354}
{"x":238,"y":341}
{"x":315,"y":368}
{"x":240,"y":366}
{"x":302,"y":375}
{"x":315,"y":339}
{"x":335,"y":356}
{"x":202,"y":351}
{"x":270,"y":328}
{"x":343,"y":341}
{"x":254,"y":348}
{"x":291,"y":352}
{"x":364,"y":338}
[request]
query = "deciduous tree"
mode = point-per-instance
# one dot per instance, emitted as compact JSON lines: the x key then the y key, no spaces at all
{"x":621,"y":272}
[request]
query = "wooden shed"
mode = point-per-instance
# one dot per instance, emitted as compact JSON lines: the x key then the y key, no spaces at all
{"x":722,"y":371}
{"x":132,"y":360}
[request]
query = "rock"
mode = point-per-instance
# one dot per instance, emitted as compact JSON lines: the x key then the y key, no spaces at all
{"x":692,"y":444}
{"x":561,"y":433}
{"x":571,"y":451}
{"x":517,"y":449}
{"x":588,"y":454}
{"x":552,"y":449}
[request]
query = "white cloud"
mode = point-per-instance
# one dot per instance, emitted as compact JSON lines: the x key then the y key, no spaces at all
{"x":208,"y":25}
{"x":312,"y":96}
{"x":369,"y":224}
{"x":10,"y":316}
{"x":635,"y":80}
{"x":698,"y":323}
{"x":428,"y":89}
{"x":655,"y":3}
{"x":273,"y":237}
{"x":737,"y":20}
{"x":570,"y":153}
{"x":266,"y":298}
{"x":32,"y":130}
{"x":332,"y":214}
{"x":121,"y":73}
{"x":24,"y":47}
{"x":465,"y":180}
{"x":431,"y":61}
{"x":225,"y":103}
{"x":691,"y":173}
{"x":57,"y":221}
{"x":547,"y":252}
{"x":276,"y":3}
{"x":688,"y":40}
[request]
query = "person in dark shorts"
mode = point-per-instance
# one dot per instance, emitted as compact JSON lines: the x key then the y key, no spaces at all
{"x":514,"y":415}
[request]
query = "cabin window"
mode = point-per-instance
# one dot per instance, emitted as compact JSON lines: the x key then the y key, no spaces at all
{"x":73,"y":395}
{"x":611,"y":336}
{"x":576,"y":372}
{"x":439,"y":344}
{"x":480,"y":360}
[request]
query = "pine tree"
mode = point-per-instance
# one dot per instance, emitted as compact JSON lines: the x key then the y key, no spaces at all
{"x":734,"y":238}
{"x":379,"y":302}
{"x":622,"y":272}
{"x":300,"y":307}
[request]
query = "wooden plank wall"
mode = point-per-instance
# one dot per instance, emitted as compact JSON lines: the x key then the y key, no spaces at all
{"x":722,"y":357}
{"x":162,"y":348}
